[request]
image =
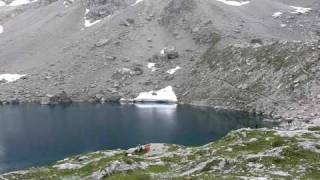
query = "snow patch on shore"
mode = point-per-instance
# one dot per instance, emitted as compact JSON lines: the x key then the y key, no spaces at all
{"x":148,"y":106}
{"x":174,"y":70}
{"x":300,"y":10}
{"x":234,"y":3}
{"x":11,"y":77}
{"x":164,"y":95}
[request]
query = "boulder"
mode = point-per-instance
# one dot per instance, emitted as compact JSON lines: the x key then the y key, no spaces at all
{"x":102,"y":42}
{"x":2,"y":81}
{"x":61,"y":98}
{"x":256,"y":41}
{"x":169,"y":52}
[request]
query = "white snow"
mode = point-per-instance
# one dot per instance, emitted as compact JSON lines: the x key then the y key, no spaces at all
{"x":68,"y":3}
{"x":1,"y":29}
{"x":87,"y":11}
{"x":2,"y":3}
{"x":172,"y":71}
{"x":277,"y":14}
{"x":234,"y":3}
{"x":283,"y":25}
{"x":152,"y":66}
{"x":137,"y":2}
{"x":20,"y":2}
{"x":11,"y":77}
{"x":165,"y":94}
{"x":162,"y":52}
{"x":300,"y":10}
{"x":88,"y":22}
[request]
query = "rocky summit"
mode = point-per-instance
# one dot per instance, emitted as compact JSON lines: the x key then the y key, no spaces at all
{"x":258,"y":56}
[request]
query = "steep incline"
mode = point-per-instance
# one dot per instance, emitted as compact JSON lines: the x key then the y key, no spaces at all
{"x":228,"y":52}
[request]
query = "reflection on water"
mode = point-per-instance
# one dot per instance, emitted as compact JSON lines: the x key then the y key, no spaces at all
{"x":32,"y":135}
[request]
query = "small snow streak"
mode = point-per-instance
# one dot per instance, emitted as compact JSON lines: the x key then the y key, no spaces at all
{"x":20,"y":2}
{"x":234,"y":3}
{"x":300,"y":10}
{"x":1,"y":29}
{"x":152,"y":66}
{"x":88,"y":22}
{"x":2,"y":3}
{"x":172,"y":71}
{"x":277,"y":14}
{"x":137,"y":2}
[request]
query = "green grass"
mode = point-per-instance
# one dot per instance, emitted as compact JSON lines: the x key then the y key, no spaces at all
{"x":315,"y":128}
{"x":134,"y":175}
{"x":158,"y":169}
{"x":237,"y":151}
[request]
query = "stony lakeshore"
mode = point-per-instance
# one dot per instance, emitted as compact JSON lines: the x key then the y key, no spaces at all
{"x":242,"y":154}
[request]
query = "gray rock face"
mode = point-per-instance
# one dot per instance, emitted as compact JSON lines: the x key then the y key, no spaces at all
{"x":102,"y":8}
{"x":228,"y":55}
{"x":61,"y":98}
{"x":116,"y":167}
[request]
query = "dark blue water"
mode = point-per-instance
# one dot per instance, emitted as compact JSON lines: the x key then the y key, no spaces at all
{"x":33,"y":135}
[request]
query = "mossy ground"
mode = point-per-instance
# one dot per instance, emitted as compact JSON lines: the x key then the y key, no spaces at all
{"x":241,"y":154}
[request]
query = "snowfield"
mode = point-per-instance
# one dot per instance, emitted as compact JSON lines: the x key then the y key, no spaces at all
{"x":234,"y":3}
{"x":137,"y":2}
{"x":11,"y":77}
{"x":164,"y":95}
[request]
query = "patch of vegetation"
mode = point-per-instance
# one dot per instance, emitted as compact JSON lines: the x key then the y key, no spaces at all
{"x":158,"y":169}
{"x":314,"y":128}
{"x":242,"y":153}
{"x":134,"y":175}
{"x":173,"y":148}
{"x":171,"y":159}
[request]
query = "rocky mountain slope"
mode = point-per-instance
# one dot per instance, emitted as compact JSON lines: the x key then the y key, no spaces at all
{"x":258,"y":55}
